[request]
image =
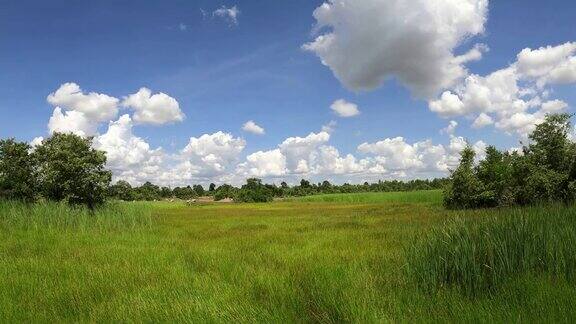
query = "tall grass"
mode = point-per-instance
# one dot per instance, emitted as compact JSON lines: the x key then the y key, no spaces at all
{"x":61,"y":216}
{"x":478,"y":254}
{"x":424,"y":196}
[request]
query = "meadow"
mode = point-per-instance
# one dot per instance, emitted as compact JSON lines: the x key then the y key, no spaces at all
{"x":377,"y":257}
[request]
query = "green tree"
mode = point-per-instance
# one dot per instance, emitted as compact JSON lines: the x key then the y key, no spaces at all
{"x":550,"y":146}
{"x":165,"y":192}
{"x":212,"y":187}
{"x":122,"y":190}
{"x":17,"y":171}
{"x":149,"y":191}
{"x":199,"y":190}
{"x":70,"y":169}
{"x":254,"y":191}
{"x":465,"y":186}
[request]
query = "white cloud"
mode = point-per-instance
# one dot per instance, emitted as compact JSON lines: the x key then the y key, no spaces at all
{"x":329,"y":128}
{"x":482,"y":121}
{"x":96,"y":107}
{"x":370,"y":41}
{"x":297,"y":149}
{"x":450,"y":129}
{"x":154,"y":109}
{"x":229,"y":14}
{"x":130,"y":157}
{"x":251,"y":127}
{"x":513,"y":99}
{"x":345,"y":109}
{"x":549,"y":65}
{"x":394,"y":154}
{"x":264,"y":164}
{"x":71,"y":122}
{"x":211,"y":154}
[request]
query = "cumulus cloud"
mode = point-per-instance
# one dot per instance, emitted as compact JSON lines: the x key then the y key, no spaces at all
{"x":157,"y":109}
{"x":210,"y":154}
{"x":298,"y":149}
{"x":549,"y":65}
{"x":228,"y":14}
{"x":78,"y":112}
{"x":482,"y":121}
{"x":251,"y":127}
{"x":264,"y":164}
{"x":367,"y":42}
{"x":71,"y":121}
{"x":128,"y":156}
{"x":95,"y":107}
{"x":513,"y":99}
{"x":345,"y":109}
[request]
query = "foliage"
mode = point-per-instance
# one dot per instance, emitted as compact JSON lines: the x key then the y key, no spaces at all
{"x":70,"y":169}
{"x":254,"y":191}
{"x":544,"y":172}
{"x":17,"y":171}
{"x":478,"y":255}
{"x":224,"y":191}
{"x":122,"y":190}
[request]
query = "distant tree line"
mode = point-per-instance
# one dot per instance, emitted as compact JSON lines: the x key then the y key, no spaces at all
{"x":65,"y":167}
{"x":542,"y":171}
{"x":256,"y":191}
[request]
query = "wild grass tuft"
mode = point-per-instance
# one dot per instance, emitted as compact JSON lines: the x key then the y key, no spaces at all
{"x":62,"y":216}
{"x":480,"y":253}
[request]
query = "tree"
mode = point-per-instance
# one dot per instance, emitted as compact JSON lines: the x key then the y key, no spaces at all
{"x":465,"y":186}
{"x":224,"y":191}
{"x":550,"y":146}
{"x":254,"y":191}
{"x":70,"y":169}
{"x":198,"y":189}
{"x":149,"y":191}
{"x":184,"y":192}
{"x":122,"y":190}
{"x":212,"y":187}
{"x":17,"y":171}
{"x":165,"y":192}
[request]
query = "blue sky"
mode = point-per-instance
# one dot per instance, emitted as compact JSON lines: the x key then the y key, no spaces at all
{"x":223,"y":73}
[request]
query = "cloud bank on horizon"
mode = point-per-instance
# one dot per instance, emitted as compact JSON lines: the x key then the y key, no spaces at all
{"x":423,"y":44}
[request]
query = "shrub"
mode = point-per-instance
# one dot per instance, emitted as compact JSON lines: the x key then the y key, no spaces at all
{"x":17,"y":171}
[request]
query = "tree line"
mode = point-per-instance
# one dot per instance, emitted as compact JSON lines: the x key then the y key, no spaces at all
{"x":65,"y":167}
{"x":256,"y":191}
{"x":543,"y":171}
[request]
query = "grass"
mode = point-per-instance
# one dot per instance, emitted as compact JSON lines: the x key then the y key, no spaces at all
{"x":424,"y":196}
{"x":280,"y":262}
{"x":481,"y":253}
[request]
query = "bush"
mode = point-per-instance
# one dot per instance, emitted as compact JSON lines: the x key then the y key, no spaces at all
{"x":17,"y":171}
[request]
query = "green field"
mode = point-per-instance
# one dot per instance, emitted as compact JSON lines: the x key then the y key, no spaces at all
{"x":374,"y":257}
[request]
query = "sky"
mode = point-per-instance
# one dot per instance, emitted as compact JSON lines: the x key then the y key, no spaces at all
{"x":187,"y":92}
